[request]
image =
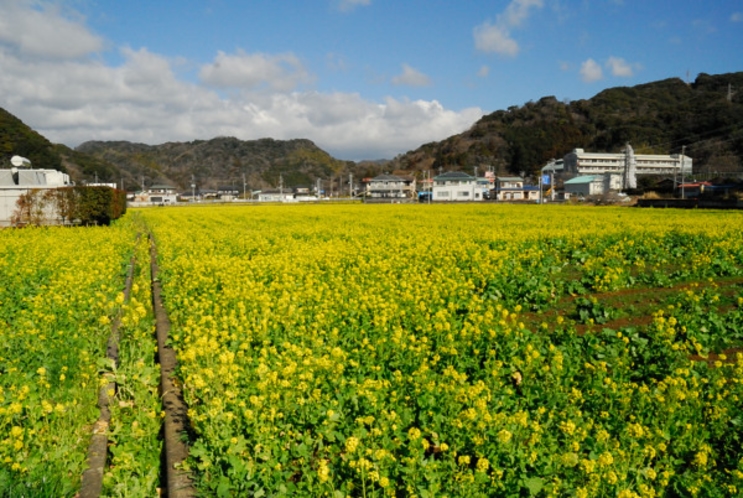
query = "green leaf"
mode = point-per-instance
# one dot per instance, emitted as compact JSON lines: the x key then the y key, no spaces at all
{"x":223,"y":490}
{"x":534,"y":485}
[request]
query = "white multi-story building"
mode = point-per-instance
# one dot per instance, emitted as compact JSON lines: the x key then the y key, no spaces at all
{"x":580,"y":162}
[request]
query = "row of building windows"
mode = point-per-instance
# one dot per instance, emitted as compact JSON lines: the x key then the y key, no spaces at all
{"x":461,"y":193}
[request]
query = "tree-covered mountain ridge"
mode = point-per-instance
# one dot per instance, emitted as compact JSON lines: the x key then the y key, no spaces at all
{"x":704,"y":117}
{"x":220,"y":162}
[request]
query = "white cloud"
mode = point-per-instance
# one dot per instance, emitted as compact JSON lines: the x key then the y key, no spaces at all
{"x":497,"y":37}
{"x":411,"y":77}
{"x":484,"y":71}
{"x":282,"y":72}
{"x":518,"y":11}
{"x":74,"y":99}
{"x":591,"y":71}
{"x":350,"y":127}
{"x":494,"y":38}
{"x":349,"y":5}
{"x":736,"y":17}
{"x":42,"y":30}
{"x":619,"y":67}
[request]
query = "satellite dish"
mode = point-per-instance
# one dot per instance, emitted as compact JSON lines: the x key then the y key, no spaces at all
{"x":19,"y":161}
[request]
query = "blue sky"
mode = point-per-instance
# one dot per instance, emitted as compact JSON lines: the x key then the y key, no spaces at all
{"x":363,"y":79}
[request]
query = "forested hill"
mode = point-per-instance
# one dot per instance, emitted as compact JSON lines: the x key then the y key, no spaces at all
{"x":222,"y":161}
{"x":16,"y":138}
{"x":658,"y":117}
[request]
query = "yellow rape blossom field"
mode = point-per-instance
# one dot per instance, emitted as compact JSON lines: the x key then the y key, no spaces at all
{"x":386,"y":350}
{"x":61,"y":289}
{"x":423,"y":350}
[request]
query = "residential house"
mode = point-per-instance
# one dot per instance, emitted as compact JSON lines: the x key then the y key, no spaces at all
{"x":157,"y":195}
{"x":276,"y":195}
{"x":512,"y":188}
{"x":693,"y":190}
{"x":390,"y":188}
{"x":509,"y":188}
{"x":228,"y":192}
{"x":457,"y":186}
{"x":304,"y":193}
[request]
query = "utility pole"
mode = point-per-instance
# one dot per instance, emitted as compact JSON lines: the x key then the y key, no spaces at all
{"x":552,"y":185}
{"x":430,"y":185}
{"x":350,"y":185}
{"x":244,"y":187}
{"x":683,"y":152}
{"x":281,"y":187}
{"x":539,"y":201}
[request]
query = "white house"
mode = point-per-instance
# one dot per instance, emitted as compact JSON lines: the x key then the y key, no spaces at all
{"x":454,"y":186}
{"x":392,"y":188}
{"x":276,"y":195}
{"x":155,"y":195}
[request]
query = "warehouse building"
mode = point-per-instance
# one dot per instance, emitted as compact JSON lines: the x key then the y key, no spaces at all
{"x":20,"y":179}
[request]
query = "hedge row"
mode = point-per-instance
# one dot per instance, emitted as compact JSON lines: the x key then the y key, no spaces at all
{"x":70,"y":205}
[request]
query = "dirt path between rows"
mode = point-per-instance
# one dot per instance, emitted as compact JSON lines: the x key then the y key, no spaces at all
{"x":176,"y":424}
